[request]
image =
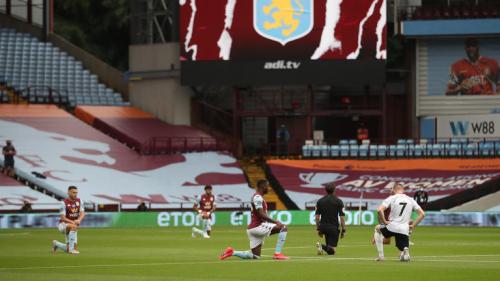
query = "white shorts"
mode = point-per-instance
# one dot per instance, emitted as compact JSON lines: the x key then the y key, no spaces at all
{"x":62,"y":227}
{"x":257,"y":234}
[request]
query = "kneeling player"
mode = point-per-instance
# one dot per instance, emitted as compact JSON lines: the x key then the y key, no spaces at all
{"x":399,"y":222}
{"x":72,"y":213}
{"x":260,"y":227}
{"x":205,"y":209}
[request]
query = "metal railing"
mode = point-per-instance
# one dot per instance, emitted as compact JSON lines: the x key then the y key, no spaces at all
{"x":170,"y":145}
{"x":122,"y":207}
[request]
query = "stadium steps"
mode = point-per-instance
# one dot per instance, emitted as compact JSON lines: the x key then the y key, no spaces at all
{"x":255,"y":172}
{"x":482,"y":204}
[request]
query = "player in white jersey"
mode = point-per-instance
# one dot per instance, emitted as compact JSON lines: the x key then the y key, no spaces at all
{"x":399,"y":223}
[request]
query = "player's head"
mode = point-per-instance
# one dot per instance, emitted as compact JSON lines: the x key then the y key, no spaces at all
{"x":8,"y":142}
{"x":329,"y":188}
{"x":208,"y":189}
{"x":73,"y":192}
{"x":472,"y":48}
{"x":398,"y":188}
{"x":262,"y":186}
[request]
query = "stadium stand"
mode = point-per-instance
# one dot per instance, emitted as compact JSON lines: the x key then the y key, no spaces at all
{"x":407,"y":148}
{"x":485,"y":203}
{"x":42,"y":73}
{"x":146,"y":133}
{"x":54,"y":143}
{"x":13,"y":195}
{"x":371,"y":180}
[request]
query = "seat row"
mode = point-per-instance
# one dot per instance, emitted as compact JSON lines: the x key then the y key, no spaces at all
{"x":480,"y":149}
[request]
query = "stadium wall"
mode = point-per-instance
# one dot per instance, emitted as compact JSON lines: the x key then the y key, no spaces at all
{"x":235,"y":218}
{"x":163,"y":97}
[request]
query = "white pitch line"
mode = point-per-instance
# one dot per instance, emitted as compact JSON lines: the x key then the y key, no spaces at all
{"x":293,"y":259}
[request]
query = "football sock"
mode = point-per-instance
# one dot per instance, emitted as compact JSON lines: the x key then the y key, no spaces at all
{"x":328,"y":250}
{"x":72,"y":238}
{"x":198,"y":231}
{"x":379,"y":242}
{"x":280,"y":242}
{"x":246,"y":255}
{"x":61,"y":246}
{"x":205,"y":225}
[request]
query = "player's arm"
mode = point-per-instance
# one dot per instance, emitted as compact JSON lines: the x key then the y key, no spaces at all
{"x":421,"y":216}
{"x":214,"y":206}
{"x":62,"y":214}
{"x":265,"y":217}
{"x":381,"y":216}
{"x":81,"y":216}
{"x":420,"y":212}
{"x":342,"y":221}
{"x":454,"y":85}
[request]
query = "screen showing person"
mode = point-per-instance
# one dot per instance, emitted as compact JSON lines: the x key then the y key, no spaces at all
{"x":474,"y":74}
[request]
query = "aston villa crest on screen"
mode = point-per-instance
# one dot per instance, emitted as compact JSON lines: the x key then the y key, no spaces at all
{"x":283,"y":20}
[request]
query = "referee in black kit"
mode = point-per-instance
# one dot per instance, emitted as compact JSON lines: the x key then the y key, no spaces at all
{"x":328,"y":210}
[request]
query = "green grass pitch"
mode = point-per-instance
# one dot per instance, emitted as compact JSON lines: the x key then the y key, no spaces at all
{"x":171,"y":254}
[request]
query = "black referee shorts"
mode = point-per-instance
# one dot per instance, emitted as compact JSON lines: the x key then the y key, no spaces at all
{"x":331,"y":234}
{"x":402,"y":241}
{"x":8,"y":163}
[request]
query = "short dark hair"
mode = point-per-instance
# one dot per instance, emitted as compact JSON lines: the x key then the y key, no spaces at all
{"x":471,"y":42}
{"x":72,"y":187}
{"x":330,"y":188}
{"x":261,"y":183}
{"x":208,"y":187}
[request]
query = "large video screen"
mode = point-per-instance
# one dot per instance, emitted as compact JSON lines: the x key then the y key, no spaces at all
{"x":458,"y":76}
{"x":282,"y":41}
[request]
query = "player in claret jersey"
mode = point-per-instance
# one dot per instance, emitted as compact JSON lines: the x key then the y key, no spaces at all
{"x":260,"y":227}
{"x":72,"y":213}
{"x":205,"y":209}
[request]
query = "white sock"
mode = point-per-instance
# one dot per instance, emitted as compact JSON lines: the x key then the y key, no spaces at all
{"x":198,"y":231}
{"x":205,"y":225}
{"x":379,"y":242}
{"x":61,"y":246}
{"x":72,"y":239}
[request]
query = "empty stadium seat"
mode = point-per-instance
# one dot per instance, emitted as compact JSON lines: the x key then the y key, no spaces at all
{"x":325,"y":151}
{"x":344,"y":151}
{"x":471,"y":150}
{"x":306,"y":150}
{"x":353,"y":150}
{"x":486,"y":149}
{"x":392,"y":150}
{"x":418,"y":150}
{"x":315,"y":151}
{"x":373,"y":151}
{"x":335,"y":151}
{"x":382,"y":151}
{"x":363,"y":151}
{"x":401,"y":151}
{"x":26,"y":62}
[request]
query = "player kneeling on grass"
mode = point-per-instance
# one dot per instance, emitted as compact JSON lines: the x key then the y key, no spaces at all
{"x":260,"y":227}
{"x":328,"y":211}
{"x":205,"y":209}
{"x":72,"y":213}
{"x":399,"y":222}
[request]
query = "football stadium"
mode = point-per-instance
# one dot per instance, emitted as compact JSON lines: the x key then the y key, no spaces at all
{"x":250,"y":140}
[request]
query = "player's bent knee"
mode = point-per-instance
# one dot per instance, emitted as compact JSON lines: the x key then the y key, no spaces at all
{"x":284,"y":229}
